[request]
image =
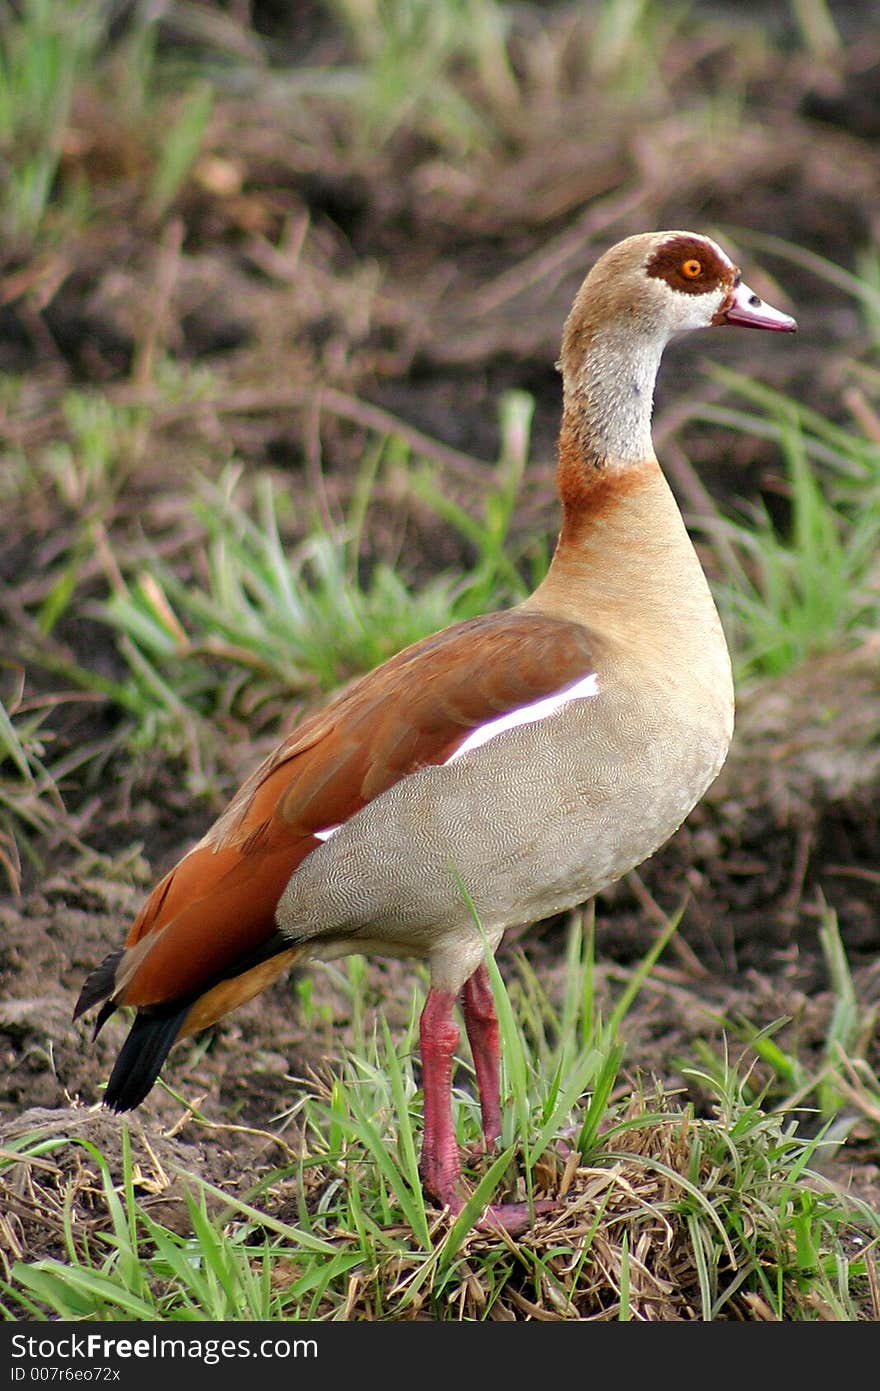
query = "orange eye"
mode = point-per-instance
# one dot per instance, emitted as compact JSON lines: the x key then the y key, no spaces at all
{"x":691,"y":268}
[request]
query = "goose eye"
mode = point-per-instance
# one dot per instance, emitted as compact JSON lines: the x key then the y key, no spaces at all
{"x":691,"y":268}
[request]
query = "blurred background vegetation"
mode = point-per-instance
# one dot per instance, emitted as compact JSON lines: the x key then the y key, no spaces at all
{"x":281,"y":292}
{"x":277,"y":273}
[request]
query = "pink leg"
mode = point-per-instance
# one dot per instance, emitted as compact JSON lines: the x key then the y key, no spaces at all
{"x":481,"y":1023}
{"x":438,"y":1038}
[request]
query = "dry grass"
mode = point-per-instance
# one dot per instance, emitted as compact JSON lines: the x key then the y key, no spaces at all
{"x":644,"y":1234}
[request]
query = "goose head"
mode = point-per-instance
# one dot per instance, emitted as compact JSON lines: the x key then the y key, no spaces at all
{"x":639,"y":294}
{"x":658,"y":284}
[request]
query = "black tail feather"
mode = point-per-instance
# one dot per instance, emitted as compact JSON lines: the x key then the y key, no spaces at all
{"x":108,"y":1007}
{"x":142,"y":1055}
{"x":155,"y":1028}
{"x":98,"y":985}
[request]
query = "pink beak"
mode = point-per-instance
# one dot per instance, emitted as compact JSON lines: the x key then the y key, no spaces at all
{"x":747,"y":310}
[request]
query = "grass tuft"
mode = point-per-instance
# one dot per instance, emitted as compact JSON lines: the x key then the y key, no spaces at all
{"x":661,"y":1214}
{"x":258,"y":618}
{"x":801,"y":585}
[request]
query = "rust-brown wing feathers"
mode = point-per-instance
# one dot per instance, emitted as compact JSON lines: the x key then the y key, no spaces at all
{"x":213,"y":916}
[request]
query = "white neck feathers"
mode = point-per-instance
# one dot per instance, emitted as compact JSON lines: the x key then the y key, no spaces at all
{"x":611,"y":395}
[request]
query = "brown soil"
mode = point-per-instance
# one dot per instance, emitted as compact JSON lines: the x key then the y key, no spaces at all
{"x":423,"y":285}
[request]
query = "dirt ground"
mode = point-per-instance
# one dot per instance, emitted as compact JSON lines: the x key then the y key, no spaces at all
{"x":424,"y":285}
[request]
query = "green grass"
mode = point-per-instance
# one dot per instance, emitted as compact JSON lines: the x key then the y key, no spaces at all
{"x":734,"y":1208}
{"x":247,"y":619}
{"x":47,"y":48}
{"x":51,"y":51}
{"x":32,"y":809}
{"x":835,"y":1089}
{"x":310,"y":616}
{"x":29,"y":799}
{"x":468,"y":80}
{"x":805,"y":582}
{"x":257,"y":616}
{"x":408,"y":59}
{"x":800,"y":588}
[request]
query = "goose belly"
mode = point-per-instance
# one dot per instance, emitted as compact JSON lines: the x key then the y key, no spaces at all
{"x":531,"y":823}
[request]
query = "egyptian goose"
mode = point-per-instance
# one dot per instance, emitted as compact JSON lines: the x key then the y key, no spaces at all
{"x":529,"y":757}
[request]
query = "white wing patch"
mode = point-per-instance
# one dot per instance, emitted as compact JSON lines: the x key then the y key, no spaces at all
{"x":527,"y":714}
